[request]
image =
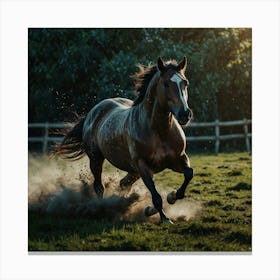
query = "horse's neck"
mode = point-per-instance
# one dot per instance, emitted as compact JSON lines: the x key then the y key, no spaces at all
{"x":159,"y":116}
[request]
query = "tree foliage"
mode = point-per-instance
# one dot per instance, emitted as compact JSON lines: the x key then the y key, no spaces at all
{"x":72,"y":69}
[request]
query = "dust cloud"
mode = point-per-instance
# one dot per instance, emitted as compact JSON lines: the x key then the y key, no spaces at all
{"x":64,"y":188}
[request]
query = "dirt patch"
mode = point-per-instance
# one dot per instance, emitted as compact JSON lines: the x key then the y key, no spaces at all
{"x":67,"y":191}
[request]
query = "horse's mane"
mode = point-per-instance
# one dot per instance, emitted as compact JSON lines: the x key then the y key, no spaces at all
{"x":144,"y":76}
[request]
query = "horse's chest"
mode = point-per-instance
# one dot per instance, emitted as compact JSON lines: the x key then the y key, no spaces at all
{"x":161,"y":155}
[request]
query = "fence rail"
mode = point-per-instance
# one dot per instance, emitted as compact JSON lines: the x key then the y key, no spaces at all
{"x":216,"y":137}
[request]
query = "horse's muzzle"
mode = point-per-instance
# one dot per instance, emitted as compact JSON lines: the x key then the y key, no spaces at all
{"x":184,"y":116}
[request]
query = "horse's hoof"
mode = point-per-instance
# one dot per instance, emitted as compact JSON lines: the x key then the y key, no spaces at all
{"x":150,"y":211}
{"x":167,"y":220}
{"x":171,"y":197}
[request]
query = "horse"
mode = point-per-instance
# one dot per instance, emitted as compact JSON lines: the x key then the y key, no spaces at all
{"x":142,"y":137}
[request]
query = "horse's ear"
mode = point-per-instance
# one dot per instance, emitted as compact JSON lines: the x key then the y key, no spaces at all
{"x":183,"y":65}
{"x":160,"y":65}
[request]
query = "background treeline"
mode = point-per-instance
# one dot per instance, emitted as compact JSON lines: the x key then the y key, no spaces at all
{"x":72,"y":69}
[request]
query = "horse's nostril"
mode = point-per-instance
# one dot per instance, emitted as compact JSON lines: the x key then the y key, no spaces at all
{"x":182,"y":114}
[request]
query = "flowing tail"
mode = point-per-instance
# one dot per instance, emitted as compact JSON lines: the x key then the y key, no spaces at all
{"x":72,"y":146}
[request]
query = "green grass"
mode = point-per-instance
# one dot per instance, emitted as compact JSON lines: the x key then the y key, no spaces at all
{"x":222,"y":185}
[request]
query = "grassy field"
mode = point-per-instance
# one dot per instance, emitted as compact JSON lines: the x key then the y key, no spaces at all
{"x":216,"y":214}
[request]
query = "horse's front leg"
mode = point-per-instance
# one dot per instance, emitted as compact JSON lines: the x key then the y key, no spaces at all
{"x":147,"y":178}
{"x":183,"y":167}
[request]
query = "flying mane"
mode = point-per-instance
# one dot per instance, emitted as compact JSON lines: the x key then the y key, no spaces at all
{"x":144,"y":76}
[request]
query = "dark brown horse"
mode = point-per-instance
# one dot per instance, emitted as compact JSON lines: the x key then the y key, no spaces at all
{"x":142,"y":137}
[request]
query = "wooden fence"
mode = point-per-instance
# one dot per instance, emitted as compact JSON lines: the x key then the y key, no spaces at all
{"x":216,"y":137}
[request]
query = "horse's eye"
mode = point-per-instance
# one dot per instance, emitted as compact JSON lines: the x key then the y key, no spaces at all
{"x":166,"y":85}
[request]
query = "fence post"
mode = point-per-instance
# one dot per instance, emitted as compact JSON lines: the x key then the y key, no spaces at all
{"x":217,"y":136}
{"x":46,"y":135}
{"x":247,"y":141}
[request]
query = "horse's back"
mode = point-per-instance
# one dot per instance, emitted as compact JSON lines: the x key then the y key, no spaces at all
{"x":100,"y":112}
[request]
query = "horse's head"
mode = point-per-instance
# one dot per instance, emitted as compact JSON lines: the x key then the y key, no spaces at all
{"x":172,"y":87}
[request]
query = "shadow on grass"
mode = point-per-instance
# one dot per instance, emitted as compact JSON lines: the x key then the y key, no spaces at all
{"x":46,"y":227}
{"x":240,"y":187}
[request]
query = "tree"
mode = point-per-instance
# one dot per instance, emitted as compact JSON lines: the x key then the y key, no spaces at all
{"x":72,"y":69}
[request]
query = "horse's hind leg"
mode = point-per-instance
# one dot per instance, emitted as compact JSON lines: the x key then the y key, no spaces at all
{"x":127,"y":182}
{"x":96,"y":164}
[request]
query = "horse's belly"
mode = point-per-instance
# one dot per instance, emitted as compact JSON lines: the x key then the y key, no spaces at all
{"x":117,"y":154}
{"x":112,"y":141}
{"x":126,"y":165}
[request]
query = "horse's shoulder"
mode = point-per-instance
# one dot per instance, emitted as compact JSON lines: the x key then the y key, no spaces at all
{"x":177,"y":136}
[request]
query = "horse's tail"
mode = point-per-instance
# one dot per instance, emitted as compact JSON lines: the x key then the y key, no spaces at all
{"x":72,"y":147}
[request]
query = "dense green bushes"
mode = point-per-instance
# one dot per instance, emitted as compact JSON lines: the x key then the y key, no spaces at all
{"x":72,"y":69}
